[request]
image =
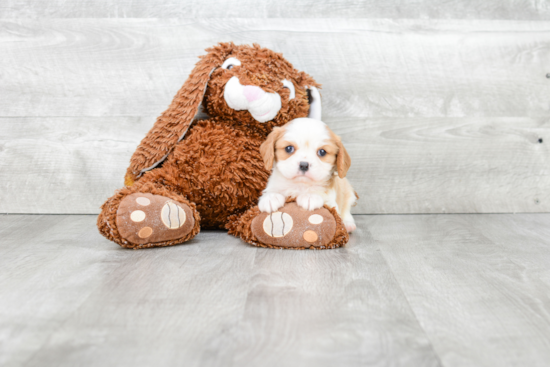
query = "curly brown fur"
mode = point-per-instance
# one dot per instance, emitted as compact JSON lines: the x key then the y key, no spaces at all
{"x":227,"y":181}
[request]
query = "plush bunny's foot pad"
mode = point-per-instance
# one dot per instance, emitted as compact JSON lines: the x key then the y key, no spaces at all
{"x":292,"y":227}
{"x":149,"y":219}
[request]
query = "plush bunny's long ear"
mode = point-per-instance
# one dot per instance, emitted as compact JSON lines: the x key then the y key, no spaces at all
{"x":172,"y":125}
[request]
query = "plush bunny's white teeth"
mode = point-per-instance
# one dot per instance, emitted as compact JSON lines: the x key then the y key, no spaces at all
{"x":262,"y":106}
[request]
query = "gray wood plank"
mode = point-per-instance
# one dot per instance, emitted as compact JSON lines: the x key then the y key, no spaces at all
{"x":456,"y":9}
{"x":369,"y":67}
{"x":527,"y":239}
{"x":69,"y":274}
{"x":452,"y":165}
{"x":479,"y":296}
{"x":449,"y":290}
{"x":170,"y":302}
{"x":49,"y":265}
{"x":328,"y":308}
{"x":399,"y":165}
{"x":215,"y":301}
{"x":65,"y":165}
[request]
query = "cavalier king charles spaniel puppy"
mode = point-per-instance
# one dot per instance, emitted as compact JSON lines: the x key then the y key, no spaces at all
{"x":309,"y":163}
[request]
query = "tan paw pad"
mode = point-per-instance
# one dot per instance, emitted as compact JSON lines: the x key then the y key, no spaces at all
{"x":143,"y":201}
{"x":145,"y":232}
{"x":278,"y":224}
{"x":310,"y":236}
{"x":137,"y":216}
{"x":315,"y":219}
{"x":172,"y":215}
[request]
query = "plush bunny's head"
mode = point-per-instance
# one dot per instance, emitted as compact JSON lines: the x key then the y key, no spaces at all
{"x":244,"y":85}
{"x":256,"y":86}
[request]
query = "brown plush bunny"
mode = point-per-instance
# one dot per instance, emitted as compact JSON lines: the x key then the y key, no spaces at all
{"x":187,"y":174}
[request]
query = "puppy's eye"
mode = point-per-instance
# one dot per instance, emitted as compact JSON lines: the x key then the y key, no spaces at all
{"x":289,"y":149}
{"x":322,"y":152}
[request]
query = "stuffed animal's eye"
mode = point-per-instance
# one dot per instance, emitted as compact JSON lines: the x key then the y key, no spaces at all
{"x":288,"y":85}
{"x":229,"y":63}
{"x":289,"y":149}
{"x":322,"y":152}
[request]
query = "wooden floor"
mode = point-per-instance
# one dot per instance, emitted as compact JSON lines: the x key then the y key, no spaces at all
{"x":408,"y":290}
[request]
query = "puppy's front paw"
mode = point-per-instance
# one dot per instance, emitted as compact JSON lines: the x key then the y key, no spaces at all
{"x":271,"y":202}
{"x":350,"y":226}
{"x":309,"y":201}
{"x":349,"y":223}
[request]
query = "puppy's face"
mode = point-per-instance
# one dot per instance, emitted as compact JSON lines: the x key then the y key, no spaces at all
{"x":305,"y":150}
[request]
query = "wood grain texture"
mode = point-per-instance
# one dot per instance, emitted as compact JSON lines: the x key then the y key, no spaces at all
{"x":475,"y":282}
{"x":49,"y":266}
{"x":451,"y":165}
{"x":64,"y":165}
{"x":325,"y":308}
{"x":440,"y":116}
{"x":169,"y":304}
{"x":368,"y":68}
{"x":422,"y":290}
{"x":399,"y":165}
{"x":212,"y":302}
{"x":455,"y":9}
{"x":531,"y":232}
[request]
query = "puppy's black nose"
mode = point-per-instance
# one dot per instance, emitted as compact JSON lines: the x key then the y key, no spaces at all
{"x":304,"y":166}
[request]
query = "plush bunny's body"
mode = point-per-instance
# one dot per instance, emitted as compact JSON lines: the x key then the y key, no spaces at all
{"x":208,"y":173}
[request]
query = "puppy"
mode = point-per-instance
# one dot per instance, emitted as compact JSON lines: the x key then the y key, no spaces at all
{"x":310,"y":164}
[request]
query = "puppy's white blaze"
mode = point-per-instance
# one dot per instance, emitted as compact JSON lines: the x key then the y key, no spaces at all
{"x":306,"y":129}
{"x":263,"y":109}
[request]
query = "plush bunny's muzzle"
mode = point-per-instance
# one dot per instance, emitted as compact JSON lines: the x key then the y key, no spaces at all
{"x":263,"y":106}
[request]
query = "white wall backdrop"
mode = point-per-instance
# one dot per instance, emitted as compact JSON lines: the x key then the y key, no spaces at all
{"x":444,"y":108}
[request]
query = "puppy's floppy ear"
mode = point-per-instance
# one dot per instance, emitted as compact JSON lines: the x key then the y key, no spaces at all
{"x":172,"y":125}
{"x":267,"y":149}
{"x":343,"y":160}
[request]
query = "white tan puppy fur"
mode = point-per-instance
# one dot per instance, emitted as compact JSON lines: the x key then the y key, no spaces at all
{"x":310,"y":164}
